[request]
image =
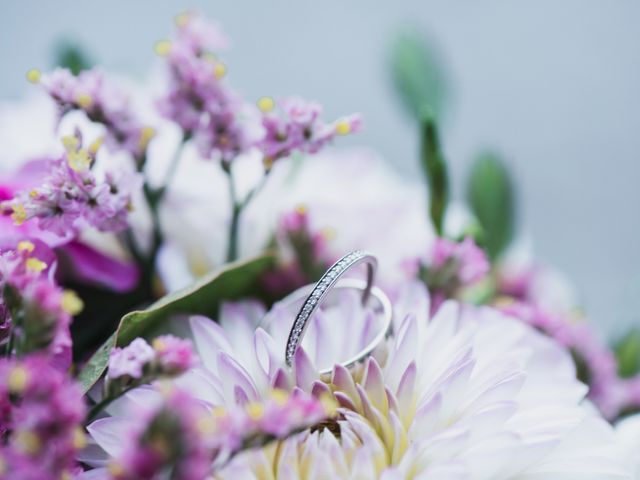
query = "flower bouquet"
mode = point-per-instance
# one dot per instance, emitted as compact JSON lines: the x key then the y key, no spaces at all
{"x":181,"y":298}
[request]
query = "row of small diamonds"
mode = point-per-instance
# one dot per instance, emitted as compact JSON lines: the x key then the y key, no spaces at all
{"x":316,"y":293}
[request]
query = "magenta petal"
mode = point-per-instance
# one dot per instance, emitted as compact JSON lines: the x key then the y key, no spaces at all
{"x":82,"y":263}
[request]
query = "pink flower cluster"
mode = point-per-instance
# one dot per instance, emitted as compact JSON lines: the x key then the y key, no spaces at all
{"x":73,"y":195}
{"x":297,"y":127}
{"x":41,"y":413}
{"x":466,"y":261}
{"x":256,"y":423}
{"x":35,"y":312}
{"x":610,"y":393}
{"x":197,"y":100}
{"x":449,"y":267}
{"x":222,"y":124}
{"x":183,"y":434}
{"x":305,"y":252}
{"x":169,"y":356}
{"x":103,"y":103}
{"x":170,"y":437}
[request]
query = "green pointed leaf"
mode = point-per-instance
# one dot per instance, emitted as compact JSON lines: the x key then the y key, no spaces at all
{"x":418,"y":74}
{"x":435,"y":170}
{"x":233,"y":281}
{"x":71,"y":55}
{"x":627,"y":353}
{"x":492,"y":199}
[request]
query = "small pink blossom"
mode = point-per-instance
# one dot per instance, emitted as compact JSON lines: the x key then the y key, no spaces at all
{"x":34,"y":309}
{"x":166,"y":438}
{"x":72,"y":195}
{"x":297,"y":127}
{"x":131,"y":360}
{"x":41,"y":411}
{"x":470,"y":261}
{"x":279,"y":416}
{"x":103,"y":103}
{"x":174,"y":355}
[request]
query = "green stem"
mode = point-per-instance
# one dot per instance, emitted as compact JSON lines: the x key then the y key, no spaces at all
{"x":102,"y":404}
{"x":237,"y":207}
{"x":153,"y":197}
{"x":173,"y":165}
{"x":236,"y":210}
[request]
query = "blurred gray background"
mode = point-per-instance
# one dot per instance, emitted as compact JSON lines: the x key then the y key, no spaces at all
{"x":551,"y":85}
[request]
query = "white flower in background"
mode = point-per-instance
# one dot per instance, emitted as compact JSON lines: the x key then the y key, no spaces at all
{"x":351,"y":193}
{"x":467,"y":394}
{"x":628,"y":437}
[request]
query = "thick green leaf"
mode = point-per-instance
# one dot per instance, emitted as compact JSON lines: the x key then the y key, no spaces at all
{"x":628,"y":354}
{"x":418,"y":74}
{"x":203,"y":297}
{"x":435,"y":170}
{"x":492,"y":199}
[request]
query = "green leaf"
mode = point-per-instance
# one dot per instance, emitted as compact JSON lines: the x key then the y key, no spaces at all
{"x":418,"y":74}
{"x":71,"y":55}
{"x":492,"y":199}
{"x":203,"y":297}
{"x":435,"y":170}
{"x":627,"y":353}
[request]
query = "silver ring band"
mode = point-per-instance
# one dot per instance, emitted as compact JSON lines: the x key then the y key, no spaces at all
{"x":320,"y":291}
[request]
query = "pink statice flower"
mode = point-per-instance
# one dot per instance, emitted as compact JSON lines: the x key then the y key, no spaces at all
{"x":222,"y":124}
{"x":174,"y":355}
{"x":73,"y":195}
{"x":139,"y":363}
{"x":278,"y":416}
{"x":297,"y":126}
{"x":131,"y":360}
{"x":200,"y":35}
{"x":469,"y":261}
{"x":102,"y":102}
{"x":165,"y":437}
{"x":304,"y":252}
{"x":35,"y":311}
{"x":41,"y":411}
{"x":450,"y":267}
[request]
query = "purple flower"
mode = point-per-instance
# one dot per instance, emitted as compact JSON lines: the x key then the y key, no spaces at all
{"x":73,"y":195}
{"x":452,"y":266}
{"x":41,"y":412}
{"x":36,"y":312}
{"x":166,"y":438}
{"x":470,"y":262}
{"x":131,"y":360}
{"x":297,"y":127}
{"x":174,"y":355}
{"x":305,"y":253}
{"x":195,"y":88}
{"x":198,"y":34}
{"x":103,"y":103}
{"x":279,"y":416}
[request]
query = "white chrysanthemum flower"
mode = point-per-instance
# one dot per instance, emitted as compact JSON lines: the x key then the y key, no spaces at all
{"x":628,"y":438}
{"x":469,"y":393}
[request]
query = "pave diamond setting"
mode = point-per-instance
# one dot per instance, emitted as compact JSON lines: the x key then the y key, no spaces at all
{"x":314,"y":299}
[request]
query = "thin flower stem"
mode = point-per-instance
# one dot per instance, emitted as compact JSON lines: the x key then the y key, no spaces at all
{"x":105,"y":402}
{"x":237,"y":207}
{"x":173,"y":166}
{"x":153,"y":197}
{"x":236,"y":210}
